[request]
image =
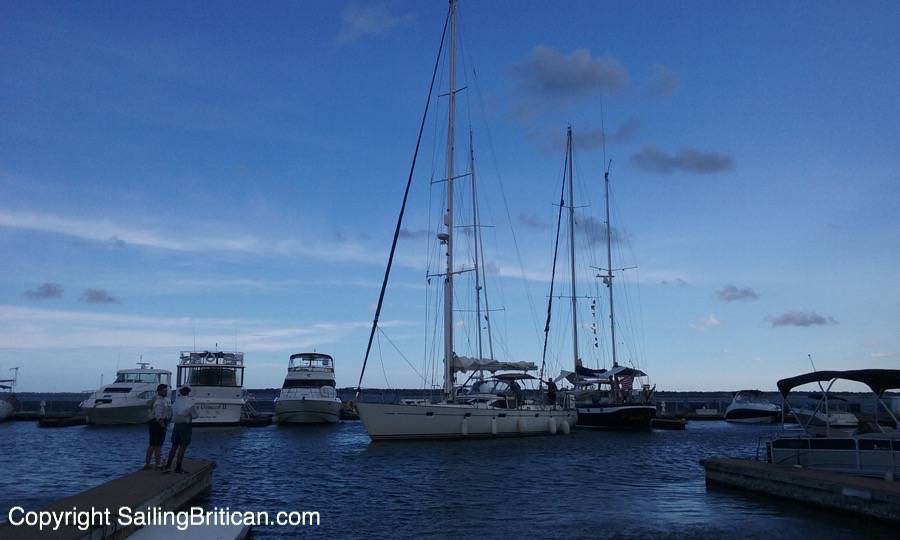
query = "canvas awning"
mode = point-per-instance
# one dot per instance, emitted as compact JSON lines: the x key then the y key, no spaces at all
{"x":878,"y":380}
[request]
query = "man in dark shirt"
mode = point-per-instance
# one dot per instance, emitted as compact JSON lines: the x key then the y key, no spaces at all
{"x":551,"y":391}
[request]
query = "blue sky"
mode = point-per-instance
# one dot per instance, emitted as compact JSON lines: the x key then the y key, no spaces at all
{"x":231,"y":173}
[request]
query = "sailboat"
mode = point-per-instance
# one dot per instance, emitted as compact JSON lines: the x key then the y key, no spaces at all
{"x":491,"y":403}
{"x":604,"y":398}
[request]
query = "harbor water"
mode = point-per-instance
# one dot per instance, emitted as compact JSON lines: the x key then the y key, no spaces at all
{"x":586,"y":485}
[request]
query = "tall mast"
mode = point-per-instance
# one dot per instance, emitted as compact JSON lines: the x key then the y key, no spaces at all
{"x":477,"y":234}
{"x":448,"y":218}
{"x":609,"y":274}
{"x":572,"y":245}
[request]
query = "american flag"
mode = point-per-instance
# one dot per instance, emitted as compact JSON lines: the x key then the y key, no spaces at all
{"x":626,"y":382}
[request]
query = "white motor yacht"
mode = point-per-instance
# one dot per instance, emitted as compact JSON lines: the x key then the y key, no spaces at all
{"x":7,"y":398}
{"x":751,"y":407}
{"x":128,"y":399}
{"x":308,"y":395}
{"x":870,"y":450}
{"x":216,"y":380}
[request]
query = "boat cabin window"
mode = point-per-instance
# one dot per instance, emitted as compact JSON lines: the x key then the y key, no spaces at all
{"x":210,"y":376}
{"x":490,"y":386}
{"x":307,"y":383}
{"x":158,"y":378}
{"x":310,"y":360}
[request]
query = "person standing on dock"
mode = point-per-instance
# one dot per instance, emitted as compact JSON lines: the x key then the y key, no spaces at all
{"x":160,"y":413}
{"x":184,"y":412}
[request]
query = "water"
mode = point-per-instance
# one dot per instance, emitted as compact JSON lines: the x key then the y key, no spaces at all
{"x":589,"y":484}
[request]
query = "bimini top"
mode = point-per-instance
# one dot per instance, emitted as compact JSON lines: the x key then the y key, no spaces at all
{"x":878,"y":380}
{"x":465,"y":363}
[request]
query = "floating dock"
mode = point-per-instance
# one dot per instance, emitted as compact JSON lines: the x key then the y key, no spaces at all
{"x":872,"y":497}
{"x":137,"y":491}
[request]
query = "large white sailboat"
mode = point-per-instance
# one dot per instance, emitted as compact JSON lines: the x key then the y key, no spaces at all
{"x":308,"y":395}
{"x":128,"y":399}
{"x":491,"y":403}
{"x":604,"y":398}
{"x":7,"y":397}
{"x":216,"y":380}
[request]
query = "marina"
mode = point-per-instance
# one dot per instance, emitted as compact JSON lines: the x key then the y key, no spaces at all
{"x":660,"y":475}
{"x":449,"y":269}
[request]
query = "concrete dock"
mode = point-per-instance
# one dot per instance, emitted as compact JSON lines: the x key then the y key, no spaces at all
{"x":871,"y":497}
{"x":136,"y":491}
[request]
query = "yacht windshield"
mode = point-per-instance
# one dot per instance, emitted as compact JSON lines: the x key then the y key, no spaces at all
{"x":490,"y":386}
{"x":310,"y":360}
{"x":210,"y":376}
{"x":141,"y":378}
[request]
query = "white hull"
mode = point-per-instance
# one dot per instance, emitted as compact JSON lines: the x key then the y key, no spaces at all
{"x":752,"y":420}
{"x":117,"y":415}
{"x":450,"y":421}
{"x":6,"y":410}
{"x":307,"y":411}
{"x":218,"y":411}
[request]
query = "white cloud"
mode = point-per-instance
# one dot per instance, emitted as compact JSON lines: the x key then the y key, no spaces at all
{"x":369,"y":20}
{"x":709,"y":322}
{"x":30,"y":328}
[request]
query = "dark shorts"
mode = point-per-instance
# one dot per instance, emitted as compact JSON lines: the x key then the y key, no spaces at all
{"x":181,"y":434}
{"x":157,"y":433}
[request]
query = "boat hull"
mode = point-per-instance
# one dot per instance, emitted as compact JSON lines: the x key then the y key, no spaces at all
{"x":118,"y":415}
{"x":448,"y":421}
{"x":751,"y":416}
{"x":218,"y":412}
{"x":616,"y":416}
{"x":307,"y":411}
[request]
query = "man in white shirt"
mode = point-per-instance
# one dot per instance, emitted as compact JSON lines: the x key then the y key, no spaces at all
{"x":160,"y":413}
{"x":184,"y":411}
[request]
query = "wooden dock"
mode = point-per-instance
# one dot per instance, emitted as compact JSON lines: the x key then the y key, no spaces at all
{"x":137,"y":491}
{"x":872,"y":497}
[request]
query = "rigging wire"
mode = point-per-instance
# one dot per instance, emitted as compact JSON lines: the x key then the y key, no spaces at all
{"x":387,"y":271}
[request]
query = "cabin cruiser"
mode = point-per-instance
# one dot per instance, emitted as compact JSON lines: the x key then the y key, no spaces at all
{"x":308,"y":395}
{"x":128,"y":399}
{"x":869,"y":450}
{"x":751,"y":407}
{"x":818,"y":418}
{"x":605,"y":399}
{"x":216,"y":380}
{"x":7,"y":398}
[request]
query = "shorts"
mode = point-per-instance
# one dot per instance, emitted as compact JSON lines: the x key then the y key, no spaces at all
{"x":157,"y":433}
{"x":181,"y":434}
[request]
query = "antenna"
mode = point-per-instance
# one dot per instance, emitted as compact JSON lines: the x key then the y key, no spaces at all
{"x":808,"y":355}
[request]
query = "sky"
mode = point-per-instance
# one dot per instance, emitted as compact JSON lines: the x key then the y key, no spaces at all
{"x":180,"y":175}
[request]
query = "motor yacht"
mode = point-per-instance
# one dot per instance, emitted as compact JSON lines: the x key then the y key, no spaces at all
{"x":216,"y":380}
{"x":308,"y":395}
{"x":128,"y":399}
{"x":751,"y":407}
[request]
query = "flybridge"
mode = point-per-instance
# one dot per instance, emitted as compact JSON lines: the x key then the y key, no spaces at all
{"x":207,"y":358}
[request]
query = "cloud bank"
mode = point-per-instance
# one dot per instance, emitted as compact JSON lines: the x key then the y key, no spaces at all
{"x":652,"y":159}
{"x":800,"y":318}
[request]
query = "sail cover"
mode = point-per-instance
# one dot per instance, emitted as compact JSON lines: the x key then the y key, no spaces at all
{"x":466,"y":363}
